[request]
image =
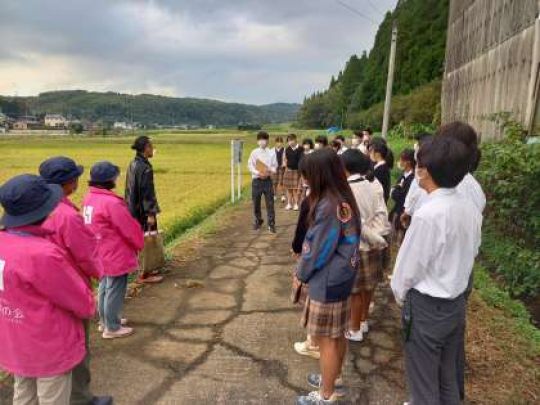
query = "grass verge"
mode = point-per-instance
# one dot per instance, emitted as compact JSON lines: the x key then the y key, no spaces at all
{"x":503,"y":347}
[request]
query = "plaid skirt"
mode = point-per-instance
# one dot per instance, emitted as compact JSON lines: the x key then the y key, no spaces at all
{"x":277,"y":177}
{"x":327,"y":319}
{"x":291,"y":179}
{"x":370,"y":271}
{"x":386,"y":256}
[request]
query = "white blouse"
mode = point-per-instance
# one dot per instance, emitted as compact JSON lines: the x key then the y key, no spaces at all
{"x":373,"y":212}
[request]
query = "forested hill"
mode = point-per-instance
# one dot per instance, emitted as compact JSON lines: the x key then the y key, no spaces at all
{"x":362,"y":83}
{"x":147,"y":109}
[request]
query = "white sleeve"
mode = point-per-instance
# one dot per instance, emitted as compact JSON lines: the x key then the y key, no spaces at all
{"x":251,"y":164}
{"x":413,"y":258}
{"x":412,"y":197}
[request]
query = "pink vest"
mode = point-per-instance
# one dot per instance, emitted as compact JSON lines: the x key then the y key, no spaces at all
{"x":42,"y":302}
{"x":69,"y":232}
{"x":119,"y":235}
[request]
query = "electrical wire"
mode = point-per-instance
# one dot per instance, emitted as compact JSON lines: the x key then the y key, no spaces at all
{"x":356,"y":11}
{"x":375,"y":8}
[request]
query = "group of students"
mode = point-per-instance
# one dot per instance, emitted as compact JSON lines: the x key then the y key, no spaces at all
{"x":341,"y":244}
{"x":50,"y":253}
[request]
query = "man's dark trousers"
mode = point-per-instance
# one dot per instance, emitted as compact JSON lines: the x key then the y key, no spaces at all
{"x":434,"y":327}
{"x":260,"y":187}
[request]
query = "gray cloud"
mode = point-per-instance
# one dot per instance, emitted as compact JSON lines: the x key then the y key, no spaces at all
{"x":243,"y":50}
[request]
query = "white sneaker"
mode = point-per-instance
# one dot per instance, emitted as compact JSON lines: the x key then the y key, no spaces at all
{"x":305,"y":349}
{"x":288,"y":207}
{"x":295,"y":207}
{"x":123,"y":322}
{"x":122,"y":332}
{"x":283,"y":199}
{"x":353,"y":336}
{"x":364,"y":327}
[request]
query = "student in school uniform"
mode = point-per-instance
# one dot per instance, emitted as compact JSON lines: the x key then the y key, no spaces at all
{"x":328,"y":264}
{"x":277,"y":178}
{"x":342,"y":144}
{"x":261,"y":181}
{"x":308,"y":145}
{"x":291,"y":178}
{"x":399,"y":191}
{"x":43,"y":297}
{"x":432,"y":270}
{"x":383,"y":160}
{"x":336,"y":146}
{"x":367,"y":135}
{"x":321,"y":142}
{"x":356,"y":140}
{"x":69,"y":232}
{"x":308,"y":347}
{"x":374,"y":216}
{"x":120,"y":239}
{"x":415,"y":192}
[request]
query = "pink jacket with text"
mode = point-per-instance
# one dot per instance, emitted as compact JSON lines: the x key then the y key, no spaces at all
{"x":70,"y":233}
{"x":42,"y":303}
{"x":119,"y":235}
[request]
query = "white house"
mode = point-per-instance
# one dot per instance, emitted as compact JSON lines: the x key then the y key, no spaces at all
{"x":55,"y":121}
{"x":123,"y":125}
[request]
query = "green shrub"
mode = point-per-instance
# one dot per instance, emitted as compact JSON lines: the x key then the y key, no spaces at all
{"x":510,"y":176}
{"x":516,"y":266}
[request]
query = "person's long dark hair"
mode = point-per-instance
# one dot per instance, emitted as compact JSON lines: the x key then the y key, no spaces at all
{"x":325,"y":174}
{"x":380,"y":146}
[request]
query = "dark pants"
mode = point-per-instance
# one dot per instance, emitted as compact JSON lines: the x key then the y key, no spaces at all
{"x":80,"y":391}
{"x":433,"y":329}
{"x":258,"y":188}
{"x":461,"y":357}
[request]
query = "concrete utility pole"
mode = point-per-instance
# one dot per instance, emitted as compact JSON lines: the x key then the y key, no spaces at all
{"x":390,"y":81}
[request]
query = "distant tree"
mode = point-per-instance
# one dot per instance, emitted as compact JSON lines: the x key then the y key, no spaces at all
{"x":76,"y":128}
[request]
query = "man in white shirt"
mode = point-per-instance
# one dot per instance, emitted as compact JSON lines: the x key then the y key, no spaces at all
{"x":468,"y":188}
{"x":432,"y":272}
{"x":262,"y":164}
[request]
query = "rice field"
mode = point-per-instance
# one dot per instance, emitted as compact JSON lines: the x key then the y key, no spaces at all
{"x":192,"y":170}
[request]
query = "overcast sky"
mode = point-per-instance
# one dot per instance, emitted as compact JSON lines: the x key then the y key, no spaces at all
{"x":252,"y":51}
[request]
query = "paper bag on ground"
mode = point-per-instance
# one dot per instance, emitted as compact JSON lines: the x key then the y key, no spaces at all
{"x":153,"y":255}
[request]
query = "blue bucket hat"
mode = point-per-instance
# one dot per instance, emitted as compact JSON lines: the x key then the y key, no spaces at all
{"x":103,"y":172}
{"x":60,"y":170}
{"x":27,"y":199}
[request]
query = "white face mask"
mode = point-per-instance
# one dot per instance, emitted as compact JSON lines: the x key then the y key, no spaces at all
{"x":307,"y":148}
{"x":355,"y":141}
{"x":263,"y":143}
{"x":318,"y":146}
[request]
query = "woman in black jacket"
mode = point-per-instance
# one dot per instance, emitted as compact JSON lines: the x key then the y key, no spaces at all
{"x":140,"y":193}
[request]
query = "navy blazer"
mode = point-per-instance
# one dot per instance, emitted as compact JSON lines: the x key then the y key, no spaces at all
{"x":330,"y":254}
{"x":382,"y":173}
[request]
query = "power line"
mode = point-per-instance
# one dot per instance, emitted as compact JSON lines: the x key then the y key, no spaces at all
{"x":375,"y":8}
{"x":358,"y":12}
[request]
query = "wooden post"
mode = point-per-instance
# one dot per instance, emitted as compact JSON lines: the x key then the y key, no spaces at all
{"x":390,"y":81}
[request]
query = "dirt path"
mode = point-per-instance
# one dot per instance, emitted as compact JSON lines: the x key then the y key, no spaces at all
{"x":230,"y":342}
